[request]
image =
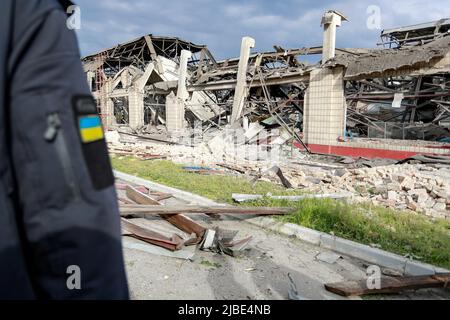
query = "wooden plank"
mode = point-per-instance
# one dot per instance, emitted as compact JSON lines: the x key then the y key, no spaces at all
{"x":286,"y":183}
{"x":127,"y":210}
{"x":159,"y":196}
{"x":125,"y":201}
{"x":186,"y":224}
{"x":231,"y":167}
{"x":182,"y":222}
{"x":150,"y":156}
{"x":151,"y":236}
{"x":389,"y":285}
{"x":139,"y":197}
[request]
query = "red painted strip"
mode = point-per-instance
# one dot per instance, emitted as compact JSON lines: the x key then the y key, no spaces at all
{"x":369,"y":153}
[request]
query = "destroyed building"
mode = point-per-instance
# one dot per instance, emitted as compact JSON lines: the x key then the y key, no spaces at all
{"x":392,"y":101}
{"x":387,"y":102}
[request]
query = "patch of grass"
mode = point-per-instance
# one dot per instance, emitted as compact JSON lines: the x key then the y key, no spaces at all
{"x":210,"y":264}
{"x":215,"y":187}
{"x":400,"y":232}
{"x":371,"y":190}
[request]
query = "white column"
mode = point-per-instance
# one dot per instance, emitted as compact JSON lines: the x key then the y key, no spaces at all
{"x":182,"y":92}
{"x":330,"y":21}
{"x":110,"y":120}
{"x":174,"y":113}
{"x":90,"y":76}
{"x":241,"y":84}
{"x":136,"y":108}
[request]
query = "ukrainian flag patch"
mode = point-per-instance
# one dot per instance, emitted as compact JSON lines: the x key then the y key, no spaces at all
{"x":90,"y":128}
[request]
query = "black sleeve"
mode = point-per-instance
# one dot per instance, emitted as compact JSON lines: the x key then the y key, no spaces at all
{"x":69,"y":210}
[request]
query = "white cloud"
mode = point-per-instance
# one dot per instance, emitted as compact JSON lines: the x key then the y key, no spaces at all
{"x":221,"y":23}
{"x":239,"y":10}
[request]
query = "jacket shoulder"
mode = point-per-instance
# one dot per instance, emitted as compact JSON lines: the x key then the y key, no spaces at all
{"x":37,"y":7}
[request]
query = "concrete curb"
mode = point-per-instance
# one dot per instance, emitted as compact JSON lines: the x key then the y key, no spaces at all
{"x":350,"y":248}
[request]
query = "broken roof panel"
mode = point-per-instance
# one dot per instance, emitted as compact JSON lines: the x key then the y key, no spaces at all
{"x":91,"y":66}
{"x":378,"y":61}
{"x":161,"y":43}
{"x":417,"y":30}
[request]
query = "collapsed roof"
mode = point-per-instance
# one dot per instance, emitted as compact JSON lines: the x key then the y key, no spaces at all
{"x":415,"y":34}
{"x":142,"y":50}
{"x":375,"y":62}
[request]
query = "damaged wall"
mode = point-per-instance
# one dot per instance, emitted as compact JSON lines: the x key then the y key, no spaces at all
{"x":324,"y":115}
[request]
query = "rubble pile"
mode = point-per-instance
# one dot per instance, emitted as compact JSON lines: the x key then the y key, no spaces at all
{"x":420,"y":188}
{"x":423,"y":188}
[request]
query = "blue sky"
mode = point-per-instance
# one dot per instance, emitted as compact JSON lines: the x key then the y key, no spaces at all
{"x":220,"y":24}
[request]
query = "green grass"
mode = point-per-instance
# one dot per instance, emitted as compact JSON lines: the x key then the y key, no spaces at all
{"x":215,"y":187}
{"x":400,"y":232}
{"x":210,"y":264}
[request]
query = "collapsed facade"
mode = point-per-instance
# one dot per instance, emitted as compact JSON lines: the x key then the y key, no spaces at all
{"x":388,"y":102}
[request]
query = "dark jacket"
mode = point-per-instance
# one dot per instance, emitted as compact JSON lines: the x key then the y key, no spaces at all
{"x":58,"y":206}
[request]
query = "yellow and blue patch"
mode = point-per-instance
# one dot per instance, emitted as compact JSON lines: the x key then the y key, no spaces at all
{"x":90,"y":128}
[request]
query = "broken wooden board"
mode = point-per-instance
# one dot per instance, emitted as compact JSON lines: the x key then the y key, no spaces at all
{"x":150,"y":236}
{"x":286,"y":183}
{"x":130,"y":209}
{"x":277,"y":171}
{"x":123,"y":186}
{"x":182,"y":222}
{"x":389,"y":285}
{"x":186,"y":224}
{"x":161,"y":226}
{"x":231,"y":167}
{"x":139,"y":197}
{"x":125,"y":201}
{"x":159,"y":196}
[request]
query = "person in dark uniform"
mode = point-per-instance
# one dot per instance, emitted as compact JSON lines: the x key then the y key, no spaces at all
{"x":59,"y":218}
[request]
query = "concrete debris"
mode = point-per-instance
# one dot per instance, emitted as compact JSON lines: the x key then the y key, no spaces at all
{"x":246,"y":197}
{"x":112,"y":137}
{"x":208,"y":239}
{"x":234,"y":248}
{"x":419,"y":187}
{"x":251,"y":197}
{"x":328,"y":257}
